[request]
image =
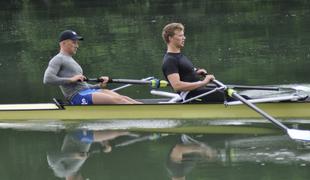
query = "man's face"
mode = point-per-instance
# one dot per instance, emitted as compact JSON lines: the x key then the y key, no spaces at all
{"x":71,"y":46}
{"x":178,"y":39}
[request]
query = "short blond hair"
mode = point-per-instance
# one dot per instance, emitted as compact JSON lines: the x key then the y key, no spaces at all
{"x":169,"y":30}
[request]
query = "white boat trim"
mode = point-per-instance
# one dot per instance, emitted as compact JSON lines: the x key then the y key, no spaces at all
{"x":36,"y":106}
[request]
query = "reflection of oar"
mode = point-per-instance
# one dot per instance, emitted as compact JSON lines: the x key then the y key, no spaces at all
{"x":295,"y":134}
{"x":154,"y":83}
{"x":189,"y":140}
{"x":153,"y":136}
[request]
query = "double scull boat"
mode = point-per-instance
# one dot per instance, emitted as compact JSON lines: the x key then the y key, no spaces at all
{"x":289,"y":105}
{"x":54,"y":111}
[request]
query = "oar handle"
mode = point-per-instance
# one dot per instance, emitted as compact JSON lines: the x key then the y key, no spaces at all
{"x":93,"y":80}
{"x":112,"y":80}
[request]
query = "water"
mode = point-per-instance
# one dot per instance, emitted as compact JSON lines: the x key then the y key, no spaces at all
{"x":241,"y":42}
{"x":114,"y":154}
{"x":251,"y":43}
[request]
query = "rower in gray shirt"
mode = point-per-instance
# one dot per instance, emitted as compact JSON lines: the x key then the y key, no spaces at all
{"x":65,"y":72}
{"x":59,"y":71}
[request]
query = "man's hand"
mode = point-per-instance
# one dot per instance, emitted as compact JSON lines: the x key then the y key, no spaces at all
{"x":77,"y":78}
{"x":103,"y":81}
{"x":202,"y":72}
{"x":208,"y":79}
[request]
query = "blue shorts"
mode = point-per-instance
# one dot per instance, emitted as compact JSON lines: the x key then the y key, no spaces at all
{"x":86,"y":137}
{"x":83,"y":97}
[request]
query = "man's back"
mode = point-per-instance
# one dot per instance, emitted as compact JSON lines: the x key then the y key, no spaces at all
{"x":61,"y":67}
{"x":178,"y":63}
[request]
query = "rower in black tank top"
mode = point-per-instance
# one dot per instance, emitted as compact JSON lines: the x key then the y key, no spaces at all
{"x":179,"y":63}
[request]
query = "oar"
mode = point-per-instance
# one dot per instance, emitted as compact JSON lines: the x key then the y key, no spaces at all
{"x":128,"y":85}
{"x":153,"y":136}
{"x":295,"y":134}
{"x":154,"y":83}
{"x":245,"y":87}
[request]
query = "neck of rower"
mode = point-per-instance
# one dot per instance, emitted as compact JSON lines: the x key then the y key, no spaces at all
{"x":63,"y":51}
{"x":173,"y":49}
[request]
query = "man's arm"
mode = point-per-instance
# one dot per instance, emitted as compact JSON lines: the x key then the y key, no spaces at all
{"x":51,"y":74}
{"x":179,"y":85}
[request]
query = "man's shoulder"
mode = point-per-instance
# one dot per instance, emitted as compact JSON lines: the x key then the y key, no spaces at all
{"x":60,"y":57}
{"x":170,"y":57}
{"x":57,"y":59}
{"x":57,"y":56}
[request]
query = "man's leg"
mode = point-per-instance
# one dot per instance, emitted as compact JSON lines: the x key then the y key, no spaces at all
{"x":110,"y":97}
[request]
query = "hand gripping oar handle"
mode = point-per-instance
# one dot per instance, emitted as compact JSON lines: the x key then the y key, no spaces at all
{"x":93,"y":80}
{"x":293,"y":133}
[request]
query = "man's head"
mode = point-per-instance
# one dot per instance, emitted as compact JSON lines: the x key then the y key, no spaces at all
{"x":68,"y":41}
{"x":173,"y":33}
{"x":69,"y":34}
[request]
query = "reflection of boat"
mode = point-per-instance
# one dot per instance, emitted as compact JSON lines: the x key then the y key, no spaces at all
{"x":50,"y":111}
{"x":269,"y":149}
{"x":247,"y":155}
{"x":258,"y":150}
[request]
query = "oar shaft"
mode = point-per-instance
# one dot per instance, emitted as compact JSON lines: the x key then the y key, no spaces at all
{"x":254,"y":87}
{"x":128,"y":85}
{"x":245,"y":87}
{"x":252,"y":106}
{"x":263,"y":113}
{"x":154,"y":83}
{"x":122,"y":81}
{"x":163,"y":83}
{"x":129,"y":81}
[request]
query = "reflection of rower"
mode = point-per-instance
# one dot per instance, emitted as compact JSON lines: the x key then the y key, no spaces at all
{"x":266,"y":149}
{"x":76,"y":149}
{"x":183,"y":157}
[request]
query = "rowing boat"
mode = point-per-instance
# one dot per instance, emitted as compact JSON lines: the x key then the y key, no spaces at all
{"x":289,"y":105}
{"x":297,"y":107}
{"x":52,"y":111}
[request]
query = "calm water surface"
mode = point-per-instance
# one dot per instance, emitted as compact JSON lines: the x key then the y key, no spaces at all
{"x":241,"y":42}
{"x":113,"y":154}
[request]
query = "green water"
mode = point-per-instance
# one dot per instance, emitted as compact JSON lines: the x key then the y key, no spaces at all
{"x":241,"y":42}
{"x":50,"y":155}
{"x":246,"y":42}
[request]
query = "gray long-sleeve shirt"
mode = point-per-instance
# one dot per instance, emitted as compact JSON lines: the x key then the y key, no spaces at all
{"x":59,"y":71}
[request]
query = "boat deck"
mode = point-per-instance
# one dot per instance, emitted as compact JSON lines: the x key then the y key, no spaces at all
{"x":289,"y":110}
